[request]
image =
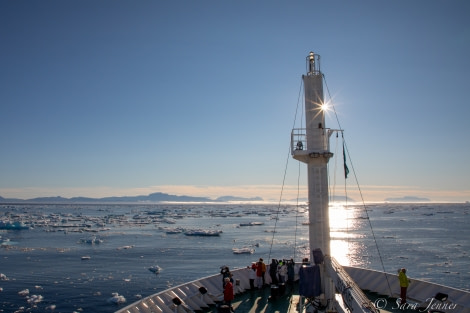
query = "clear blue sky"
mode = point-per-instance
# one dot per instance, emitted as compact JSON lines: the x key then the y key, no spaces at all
{"x":101,"y":98}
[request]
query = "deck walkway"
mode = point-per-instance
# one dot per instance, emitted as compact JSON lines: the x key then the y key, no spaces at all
{"x":259,"y":301}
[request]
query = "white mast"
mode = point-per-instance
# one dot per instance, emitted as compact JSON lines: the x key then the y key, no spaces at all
{"x":311,"y":146}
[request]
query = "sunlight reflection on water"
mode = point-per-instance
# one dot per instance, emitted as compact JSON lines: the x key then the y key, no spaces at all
{"x":343,"y":224}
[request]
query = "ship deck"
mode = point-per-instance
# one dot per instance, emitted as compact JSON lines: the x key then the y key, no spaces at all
{"x":204,"y":295}
{"x":261,"y":301}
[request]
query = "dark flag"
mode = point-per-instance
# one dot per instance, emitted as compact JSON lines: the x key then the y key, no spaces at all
{"x":346,"y":169}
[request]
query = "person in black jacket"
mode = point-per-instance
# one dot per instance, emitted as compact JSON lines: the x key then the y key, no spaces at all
{"x":273,"y":272}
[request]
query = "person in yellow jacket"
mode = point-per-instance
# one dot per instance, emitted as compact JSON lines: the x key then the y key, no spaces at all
{"x":404,"y":283}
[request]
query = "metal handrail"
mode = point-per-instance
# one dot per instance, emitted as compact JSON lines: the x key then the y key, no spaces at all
{"x":299,"y":140}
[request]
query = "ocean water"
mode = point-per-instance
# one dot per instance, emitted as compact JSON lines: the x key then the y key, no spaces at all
{"x":430,"y":240}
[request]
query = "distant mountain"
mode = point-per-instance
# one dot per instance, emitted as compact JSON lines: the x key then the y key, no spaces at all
{"x":9,"y":200}
{"x":153,"y":197}
{"x":332,"y":198}
{"x":341,"y":198}
{"x":407,"y":199}
{"x":232,"y":198}
{"x":156,"y":197}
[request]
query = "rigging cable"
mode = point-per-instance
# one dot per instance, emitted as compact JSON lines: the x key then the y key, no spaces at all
{"x":283,"y":184}
{"x":297,"y":205}
{"x":297,"y":212}
{"x":359,"y":187}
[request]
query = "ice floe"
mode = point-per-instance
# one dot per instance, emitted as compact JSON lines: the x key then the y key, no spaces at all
{"x":117,"y":298}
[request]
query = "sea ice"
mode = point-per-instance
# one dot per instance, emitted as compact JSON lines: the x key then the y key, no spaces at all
{"x":35,"y":299}
{"x":117,"y":298}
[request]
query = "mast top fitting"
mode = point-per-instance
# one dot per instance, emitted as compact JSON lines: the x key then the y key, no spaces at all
{"x":313,"y":64}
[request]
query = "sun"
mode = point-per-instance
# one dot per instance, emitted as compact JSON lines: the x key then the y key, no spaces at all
{"x":321,"y":108}
{"x":325,"y":107}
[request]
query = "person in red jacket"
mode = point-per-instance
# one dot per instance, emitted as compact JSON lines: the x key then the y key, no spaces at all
{"x":228,"y":293}
{"x":260,"y":271}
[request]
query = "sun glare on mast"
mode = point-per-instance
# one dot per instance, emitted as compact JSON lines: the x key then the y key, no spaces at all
{"x":320,"y":108}
{"x":325,"y":107}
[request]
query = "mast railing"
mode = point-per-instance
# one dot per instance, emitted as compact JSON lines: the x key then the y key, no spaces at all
{"x":313,"y":64}
{"x":299,"y":141}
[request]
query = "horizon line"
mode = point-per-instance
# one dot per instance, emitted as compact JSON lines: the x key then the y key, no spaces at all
{"x":270,"y":193}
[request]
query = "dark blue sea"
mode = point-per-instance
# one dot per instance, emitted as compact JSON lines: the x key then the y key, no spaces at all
{"x":41,"y":268}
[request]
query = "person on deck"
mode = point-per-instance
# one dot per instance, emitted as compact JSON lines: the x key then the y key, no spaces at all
{"x":228,"y":293}
{"x":273,"y":271}
{"x":263,"y":269}
{"x":259,"y":274}
{"x":252,"y":276}
{"x":404,"y":283}
{"x":282,"y":270}
{"x":290,"y":271}
{"x":225,"y":273}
